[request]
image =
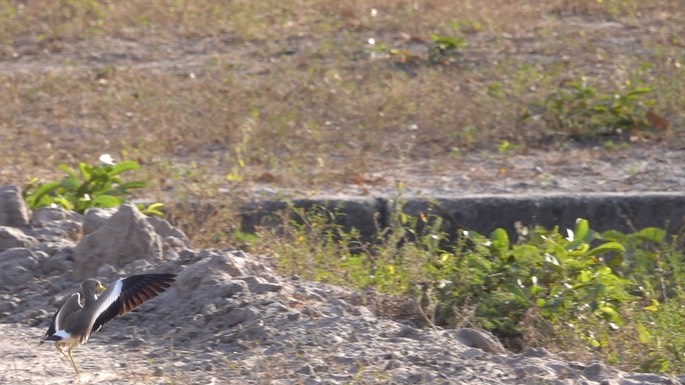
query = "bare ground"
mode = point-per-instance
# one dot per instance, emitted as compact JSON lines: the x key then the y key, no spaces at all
{"x":406,"y":161}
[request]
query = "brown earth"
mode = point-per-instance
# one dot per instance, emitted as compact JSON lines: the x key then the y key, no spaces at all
{"x":649,"y":163}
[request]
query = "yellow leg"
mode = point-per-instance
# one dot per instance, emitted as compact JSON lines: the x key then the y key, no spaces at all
{"x":60,"y":348}
{"x":72,"y":359}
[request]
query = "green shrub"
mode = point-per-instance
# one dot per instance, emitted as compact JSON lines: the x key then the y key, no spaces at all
{"x":445,"y":48}
{"x":613,"y":294}
{"x":579,"y":110}
{"x":97,"y":185}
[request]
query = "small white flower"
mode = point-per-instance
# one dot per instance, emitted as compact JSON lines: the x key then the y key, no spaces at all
{"x":571,"y":235}
{"x":106,"y":160}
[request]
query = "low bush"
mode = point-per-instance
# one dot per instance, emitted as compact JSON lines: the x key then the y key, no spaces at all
{"x":96,"y":185}
{"x":578,"y":109}
{"x":609,"y":294}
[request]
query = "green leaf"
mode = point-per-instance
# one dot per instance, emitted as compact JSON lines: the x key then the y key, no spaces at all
{"x":448,"y":42}
{"x":35,"y":200}
{"x":404,"y":218}
{"x":64,"y":203}
{"x":653,"y":306}
{"x":582,"y":228}
{"x":153,"y":209}
{"x":614,"y":235}
{"x":68,"y":170}
{"x":535,"y":289}
{"x":124,"y":166}
{"x":86,"y":171}
{"x":639,"y":91}
{"x":519,"y":293}
{"x":609,"y":247}
{"x":652,"y":234}
{"x":477,"y":238}
{"x":573,"y":244}
{"x":500,"y":241}
{"x":132,"y":185}
{"x":581,"y":234}
{"x":583,"y":278}
{"x":642,"y":333}
{"x":106,"y":201}
{"x":610,"y":313}
{"x":526,"y":252}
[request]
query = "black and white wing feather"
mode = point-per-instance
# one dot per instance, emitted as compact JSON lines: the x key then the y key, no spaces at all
{"x":127,"y":294}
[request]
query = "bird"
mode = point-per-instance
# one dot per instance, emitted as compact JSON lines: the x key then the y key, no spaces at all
{"x":87,"y":310}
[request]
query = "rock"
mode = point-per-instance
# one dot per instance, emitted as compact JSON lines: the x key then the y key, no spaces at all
{"x":536,"y":352}
{"x":125,"y":237}
{"x":598,"y":371}
{"x":259,"y":285}
{"x":164,"y":229}
{"x":11,"y":237}
{"x":95,"y":218}
{"x":47,"y":215}
{"x":535,"y":370}
{"x":479,"y":339}
{"x":473,"y":353}
{"x":13,"y":210}
{"x":208,"y":277}
{"x":107,"y":270}
{"x":174,"y":244}
{"x":8,"y":303}
{"x":240,"y":315}
{"x":58,"y":231}
{"x":306,"y":369}
{"x":18,"y":265}
{"x":232,"y":288}
{"x":55,"y":264}
{"x":55,"y":224}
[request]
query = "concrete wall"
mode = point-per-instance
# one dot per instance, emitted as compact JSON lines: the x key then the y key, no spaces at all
{"x":483,"y":213}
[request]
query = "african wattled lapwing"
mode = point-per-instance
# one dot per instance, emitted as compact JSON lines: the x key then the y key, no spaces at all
{"x":92,"y":306}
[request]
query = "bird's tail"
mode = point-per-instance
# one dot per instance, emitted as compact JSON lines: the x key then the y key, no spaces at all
{"x":52,"y":337}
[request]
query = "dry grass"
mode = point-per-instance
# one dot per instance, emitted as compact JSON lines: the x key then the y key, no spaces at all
{"x":213,"y":94}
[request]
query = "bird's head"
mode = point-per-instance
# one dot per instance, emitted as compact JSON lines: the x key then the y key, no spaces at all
{"x":92,"y":287}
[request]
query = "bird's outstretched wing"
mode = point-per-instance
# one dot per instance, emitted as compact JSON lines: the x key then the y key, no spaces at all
{"x":127,"y":294}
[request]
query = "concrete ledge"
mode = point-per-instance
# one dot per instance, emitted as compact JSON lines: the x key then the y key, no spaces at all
{"x":483,"y":213}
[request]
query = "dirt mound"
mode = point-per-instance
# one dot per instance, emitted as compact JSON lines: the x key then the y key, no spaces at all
{"x":230,"y":319}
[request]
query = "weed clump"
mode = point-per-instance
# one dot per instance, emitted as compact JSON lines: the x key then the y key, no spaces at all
{"x":93,"y":185}
{"x":578,"y":110}
{"x":609,"y":294}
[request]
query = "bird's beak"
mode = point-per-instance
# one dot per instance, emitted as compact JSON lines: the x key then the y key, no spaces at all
{"x":101,"y":288}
